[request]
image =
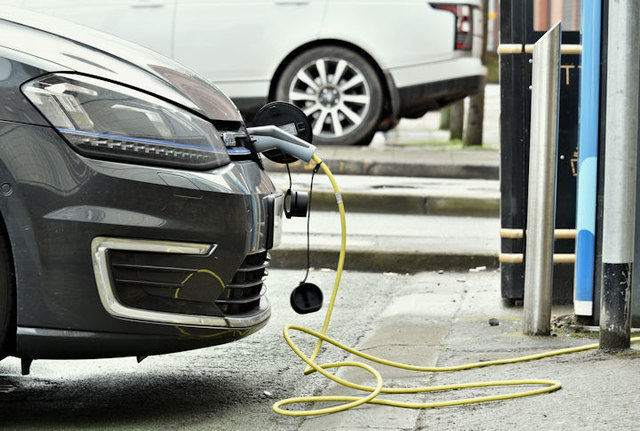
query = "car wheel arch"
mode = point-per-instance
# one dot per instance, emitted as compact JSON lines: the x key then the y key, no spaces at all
{"x":8,"y":294}
{"x":389,"y":98}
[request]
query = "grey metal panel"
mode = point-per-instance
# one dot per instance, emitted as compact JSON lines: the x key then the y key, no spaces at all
{"x":42,"y":343}
{"x":15,"y":69}
{"x":51,"y":244}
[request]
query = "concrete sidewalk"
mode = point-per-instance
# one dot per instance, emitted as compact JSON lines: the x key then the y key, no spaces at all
{"x":455,"y":224}
{"x":400,"y":195}
{"x":442,"y":319}
{"x":391,"y":242}
{"x":406,"y":171}
{"x":408,"y":161}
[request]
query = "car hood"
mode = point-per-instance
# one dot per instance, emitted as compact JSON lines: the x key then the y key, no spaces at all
{"x":71,"y":47}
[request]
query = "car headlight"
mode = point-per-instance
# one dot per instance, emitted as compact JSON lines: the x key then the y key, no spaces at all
{"x":110,"y":121}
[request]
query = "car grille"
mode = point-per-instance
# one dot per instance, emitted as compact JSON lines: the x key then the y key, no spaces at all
{"x":141,"y":281}
{"x":246,"y":289}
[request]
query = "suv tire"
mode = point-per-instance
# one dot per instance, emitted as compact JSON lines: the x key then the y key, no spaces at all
{"x":340,"y":92}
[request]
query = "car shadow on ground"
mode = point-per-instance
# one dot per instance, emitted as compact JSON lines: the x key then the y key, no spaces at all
{"x":167,"y":397}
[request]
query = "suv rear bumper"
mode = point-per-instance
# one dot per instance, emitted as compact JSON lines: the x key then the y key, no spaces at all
{"x":416,"y":100}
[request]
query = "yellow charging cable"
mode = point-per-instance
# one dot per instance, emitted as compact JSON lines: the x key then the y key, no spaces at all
{"x":373,"y":392}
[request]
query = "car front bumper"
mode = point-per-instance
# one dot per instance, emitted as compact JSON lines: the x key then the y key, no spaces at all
{"x":113,"y":259}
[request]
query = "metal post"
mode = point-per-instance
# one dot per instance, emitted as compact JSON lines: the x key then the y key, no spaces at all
{"x":538,"y":272}
{"x":621,"y":140}
{"x":587,"y":158}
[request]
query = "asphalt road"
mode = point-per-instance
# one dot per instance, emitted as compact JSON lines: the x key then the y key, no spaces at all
{"x":229,"y":387}
{"x":431,"y":318}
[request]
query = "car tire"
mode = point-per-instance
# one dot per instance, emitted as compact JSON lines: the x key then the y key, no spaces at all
{"x":340,"y":92}
{"x":7,"y":300}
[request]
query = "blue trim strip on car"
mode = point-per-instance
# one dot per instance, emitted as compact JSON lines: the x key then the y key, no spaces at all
{"x":127,"y":138}
{"x":240,"y":150}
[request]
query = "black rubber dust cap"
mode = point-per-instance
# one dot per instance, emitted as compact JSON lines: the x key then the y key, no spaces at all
{"x":306,"y":298}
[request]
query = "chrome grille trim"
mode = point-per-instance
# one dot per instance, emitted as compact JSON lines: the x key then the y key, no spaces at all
{"x":149,"y":283}
{"x":243,"y":300}
{"x":99,"y":250}
{"x":244,"y":285}
{"x":253,"y":268}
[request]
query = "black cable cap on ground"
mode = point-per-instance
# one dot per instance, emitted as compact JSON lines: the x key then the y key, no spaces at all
{"x":306,"y":298}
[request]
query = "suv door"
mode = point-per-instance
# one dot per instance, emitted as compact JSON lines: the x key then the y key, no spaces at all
{"x":238,"y":44}
{"x":146,"y":22}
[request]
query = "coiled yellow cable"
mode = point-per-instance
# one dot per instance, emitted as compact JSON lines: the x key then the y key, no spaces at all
{"x":373,"y":392}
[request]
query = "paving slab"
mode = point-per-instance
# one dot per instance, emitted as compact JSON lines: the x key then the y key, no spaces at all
{"x":400,"y":195}
{"x":599,"y":390}
{"x":391,"y":242}
{"x":414,"y":161}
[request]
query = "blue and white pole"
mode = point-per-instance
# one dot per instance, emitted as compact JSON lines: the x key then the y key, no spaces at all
{"x":587,"y":157}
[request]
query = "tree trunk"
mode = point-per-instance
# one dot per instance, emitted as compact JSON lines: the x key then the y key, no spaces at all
{"x":457,"y":119}
{"x":445,"y":115}
{"x":475,"y":117}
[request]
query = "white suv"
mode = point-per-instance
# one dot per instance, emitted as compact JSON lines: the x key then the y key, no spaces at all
{"x":353,"y":66}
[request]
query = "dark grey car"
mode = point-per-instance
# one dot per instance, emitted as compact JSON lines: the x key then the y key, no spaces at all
{"x":135,"y":215}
